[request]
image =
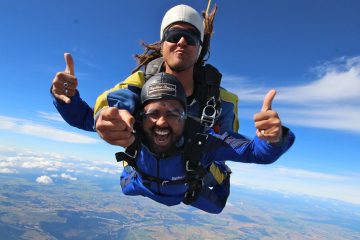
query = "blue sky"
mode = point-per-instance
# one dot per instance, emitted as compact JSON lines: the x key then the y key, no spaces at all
{"x":308,"y":50}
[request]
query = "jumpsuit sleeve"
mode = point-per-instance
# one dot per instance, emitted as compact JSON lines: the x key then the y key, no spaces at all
{"x":235,"y":147}
{"x":123,"y":96}
{"x":77,"y":113}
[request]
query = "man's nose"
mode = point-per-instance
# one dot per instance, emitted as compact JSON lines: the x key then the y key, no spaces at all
{"x":162,"y":121}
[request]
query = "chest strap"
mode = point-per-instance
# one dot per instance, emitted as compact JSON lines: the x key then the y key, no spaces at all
{"x":130,"y":157}
{"x":130,"y":154}
{"x":193,"y":151}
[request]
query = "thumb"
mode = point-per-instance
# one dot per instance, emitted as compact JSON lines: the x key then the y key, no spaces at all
{"x":112,"y":113}
{"x":69,"y":64}
{"x":128,"y":119}
{"x":268,"y":100}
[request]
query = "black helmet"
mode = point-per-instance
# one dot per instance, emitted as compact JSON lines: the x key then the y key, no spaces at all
{"x":163,"y":86}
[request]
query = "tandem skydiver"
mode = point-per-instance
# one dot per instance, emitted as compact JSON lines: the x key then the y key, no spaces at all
{"x":174,"y":158}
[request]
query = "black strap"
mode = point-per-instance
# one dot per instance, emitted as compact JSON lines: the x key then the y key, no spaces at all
{"x":195,"y":172}
{"x":207,"y":81}
{"x":153,"y":67}
{"x":193,"y":151}
{"x":130,"y":156}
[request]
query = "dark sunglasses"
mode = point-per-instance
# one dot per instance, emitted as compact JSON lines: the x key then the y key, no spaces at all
{"x":173,"y":35}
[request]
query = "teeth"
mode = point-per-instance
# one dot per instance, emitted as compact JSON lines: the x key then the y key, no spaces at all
{"x":162,"y":132}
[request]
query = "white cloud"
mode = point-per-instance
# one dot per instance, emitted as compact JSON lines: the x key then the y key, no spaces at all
{"x":332,"y":100}
{"x":44,"y":180}
{"x":51,"y":116}
{"x":68,"y":177}
{"x":7,"y":170}
{"x":104,"y":170}
{"x":52,"y":169}
{"x":17,"y":160}
{"x":301,"y":173}
{"x":44,"y":131}
{"x":297,"y":181}
{"x":268,"y":177}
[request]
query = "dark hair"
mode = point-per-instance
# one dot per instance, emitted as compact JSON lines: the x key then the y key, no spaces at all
{"x":153,"y":50}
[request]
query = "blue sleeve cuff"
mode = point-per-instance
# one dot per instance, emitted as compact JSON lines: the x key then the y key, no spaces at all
{"x":77,"y":113}
{"x":124,"y":99}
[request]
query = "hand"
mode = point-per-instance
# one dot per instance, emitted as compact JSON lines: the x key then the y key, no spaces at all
{"x":65,"y":83}
{"x":267,"y":121}
{"x":115,"y":126}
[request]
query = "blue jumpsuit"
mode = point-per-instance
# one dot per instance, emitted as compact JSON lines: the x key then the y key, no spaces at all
{"x":217,"y":150}
{"x":126,"y":96}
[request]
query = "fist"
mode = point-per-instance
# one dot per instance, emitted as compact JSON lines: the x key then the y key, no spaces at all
{"x":115,"y":126}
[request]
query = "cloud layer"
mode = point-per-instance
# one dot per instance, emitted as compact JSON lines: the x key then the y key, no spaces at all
{"x":297,"y":181}
{"x":331,"y":100}
{"x":53,"y":166}
{"x":28,"y":127}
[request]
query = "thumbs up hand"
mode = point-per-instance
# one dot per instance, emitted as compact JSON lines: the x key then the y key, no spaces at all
{"x":65,"y":83}
{"x":267,"y":121}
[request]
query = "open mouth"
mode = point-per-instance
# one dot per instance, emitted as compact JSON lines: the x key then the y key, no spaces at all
{"x":161,"y":137}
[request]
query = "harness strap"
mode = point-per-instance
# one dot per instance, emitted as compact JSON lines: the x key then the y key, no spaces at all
{"x":130,"y":156}
{"x":195,"y":172}
{"x":131,"y":160}
{"x":207,"y":79}
{"x":153,"y":67}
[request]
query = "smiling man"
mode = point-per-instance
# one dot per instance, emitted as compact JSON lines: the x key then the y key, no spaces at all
{"x":175,"y":159}
{"x":163,"y":121}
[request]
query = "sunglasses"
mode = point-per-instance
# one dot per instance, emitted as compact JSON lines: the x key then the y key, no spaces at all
{"x":174,"y":35}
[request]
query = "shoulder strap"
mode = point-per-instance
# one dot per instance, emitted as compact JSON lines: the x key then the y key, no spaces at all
{"x":208,"y":80}
{"x":153,"y":67}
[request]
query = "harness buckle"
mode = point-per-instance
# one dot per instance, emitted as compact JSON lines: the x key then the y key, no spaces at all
{"x":190,"y":167}
{"x":165,"y":182}
{"x":193,"y":192}
{"x":209,"y":113}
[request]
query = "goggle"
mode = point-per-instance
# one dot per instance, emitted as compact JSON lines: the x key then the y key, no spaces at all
{"x":172,"y":116}
{"x":173,"y":35}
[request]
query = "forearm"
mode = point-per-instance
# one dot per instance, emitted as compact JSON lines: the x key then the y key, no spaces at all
{"x":77,"y":113}
{"x":235,"y":147}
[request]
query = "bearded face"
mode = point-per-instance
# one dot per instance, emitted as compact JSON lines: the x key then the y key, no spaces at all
{"x":163,"y":124}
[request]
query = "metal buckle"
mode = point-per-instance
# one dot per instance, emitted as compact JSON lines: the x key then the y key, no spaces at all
{"x":187,"y":167}
{"x":192,"y":193}
{"x":209,"y":113}
{"x":165,"y":182}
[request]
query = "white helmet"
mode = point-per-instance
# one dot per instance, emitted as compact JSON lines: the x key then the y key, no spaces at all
{"x":182,"y":13}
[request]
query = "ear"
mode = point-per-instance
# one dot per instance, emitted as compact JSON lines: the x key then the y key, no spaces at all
{"x":161,"y":48}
